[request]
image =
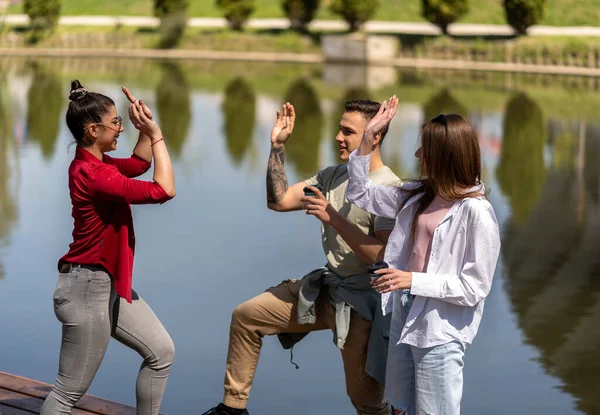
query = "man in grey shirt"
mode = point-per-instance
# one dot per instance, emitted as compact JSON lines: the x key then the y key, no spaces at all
{"x":337,"y":297}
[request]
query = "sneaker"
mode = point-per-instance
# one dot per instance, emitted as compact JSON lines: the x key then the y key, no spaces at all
{"x":220,"y":410}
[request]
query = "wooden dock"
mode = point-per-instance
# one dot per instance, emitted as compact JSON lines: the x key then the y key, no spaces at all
{"x":22,"y":396}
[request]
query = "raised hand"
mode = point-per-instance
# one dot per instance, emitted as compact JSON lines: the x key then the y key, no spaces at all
{"x":142,"y":123}
{"x":133,"y":100}
{"x":378,"y":123}
{"x":284,"y":125}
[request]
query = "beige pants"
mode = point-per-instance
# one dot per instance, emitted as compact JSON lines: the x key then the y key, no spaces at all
{"x":275,"y":312}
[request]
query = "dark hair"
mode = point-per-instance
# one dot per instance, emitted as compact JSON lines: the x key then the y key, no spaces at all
{"x":368,"y":109}
{"x":85,"y":108}
{"x":452,"y":159}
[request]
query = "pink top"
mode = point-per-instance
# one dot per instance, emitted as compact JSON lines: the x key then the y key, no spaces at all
{"x":427,"y":222}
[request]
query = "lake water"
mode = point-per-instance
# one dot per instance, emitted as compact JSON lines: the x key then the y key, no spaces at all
{"x":216,"y":244}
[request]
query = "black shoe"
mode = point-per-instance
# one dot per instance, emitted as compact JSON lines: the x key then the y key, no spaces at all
{"x":221,"y":410}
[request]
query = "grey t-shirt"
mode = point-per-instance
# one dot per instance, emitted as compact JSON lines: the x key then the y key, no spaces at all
{"x":342,"y":260}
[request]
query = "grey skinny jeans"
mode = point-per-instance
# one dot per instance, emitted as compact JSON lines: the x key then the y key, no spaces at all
{"x":86,"y":303}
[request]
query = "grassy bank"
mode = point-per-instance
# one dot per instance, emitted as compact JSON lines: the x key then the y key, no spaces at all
{"x":148,"y":38}
{"x":555,"y":50}
{"x":561,"y":51}
{"x":558,"y":12}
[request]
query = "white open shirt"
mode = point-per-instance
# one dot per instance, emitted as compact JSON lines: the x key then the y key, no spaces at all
{"x":449,"y":297}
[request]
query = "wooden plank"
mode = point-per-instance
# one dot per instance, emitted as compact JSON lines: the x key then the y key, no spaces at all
{"x":21,"y":401}
{"x":9,"y":410}
{"x":29,"y":404}
{"x":40,"y":390}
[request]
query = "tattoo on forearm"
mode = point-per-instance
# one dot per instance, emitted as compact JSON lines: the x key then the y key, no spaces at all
{"x":277,"y":183}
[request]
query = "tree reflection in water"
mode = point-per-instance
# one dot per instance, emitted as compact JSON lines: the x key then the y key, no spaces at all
{"x":239,"y":115}
{"x":303,"y":147}
{"x":8,"y":204}
{"x":174,"y":106}
{"x":550,"y":247}
{"x":46,"y":100}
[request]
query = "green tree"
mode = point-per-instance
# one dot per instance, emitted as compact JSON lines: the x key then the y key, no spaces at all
{"x":300,"y":12}
{"x":521,"y":171}
{"x":237,"y":12}
{"x":521,"y":14}
{"x":164,"y":8}
{"x":239,"y":114}
{"x":43,"y":15}
{"x":44,"y":111}
{"x":444,"y":12}
{"x":303,"y":147}
{"x":173,"y":21}
{"x":174,"y":106}
{"x":355,"y":12}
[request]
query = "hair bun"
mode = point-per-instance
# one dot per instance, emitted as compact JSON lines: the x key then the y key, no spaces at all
{"x":77,"y":94}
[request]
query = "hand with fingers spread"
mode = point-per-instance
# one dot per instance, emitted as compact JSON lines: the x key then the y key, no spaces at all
{"x":378,"y":123}
{"x":318,"y":206}
{"x":284,"y":125}
{"x":391,"y":280}
{"x":133,"y":100}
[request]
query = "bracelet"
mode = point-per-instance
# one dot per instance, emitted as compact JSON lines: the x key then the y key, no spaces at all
{"x":157,"y":141}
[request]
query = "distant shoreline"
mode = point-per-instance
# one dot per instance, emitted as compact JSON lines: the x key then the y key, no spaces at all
{"x":318,"y":25}
{"x":297,"y":58}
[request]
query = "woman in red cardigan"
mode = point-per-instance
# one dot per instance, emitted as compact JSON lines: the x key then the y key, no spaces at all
{"x":94,"y":299}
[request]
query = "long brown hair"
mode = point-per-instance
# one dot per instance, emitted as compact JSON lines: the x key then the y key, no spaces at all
{"x":452,"y":158}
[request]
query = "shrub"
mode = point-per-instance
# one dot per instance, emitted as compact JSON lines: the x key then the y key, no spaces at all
{"x":521,"y":14}
{"x":355,"y":12}
{"x":173,"y":20}
{"x":236,"y":12}
{"x":44,"y":16}
{"x":300,"y":12}
{"x":164,"y":8}
{"x":444,"y":12}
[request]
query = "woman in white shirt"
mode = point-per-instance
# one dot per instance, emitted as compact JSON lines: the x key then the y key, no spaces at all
{"x":442,"y":256}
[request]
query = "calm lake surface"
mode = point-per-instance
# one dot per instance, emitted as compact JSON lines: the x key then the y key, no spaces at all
{"x":216,"y":244}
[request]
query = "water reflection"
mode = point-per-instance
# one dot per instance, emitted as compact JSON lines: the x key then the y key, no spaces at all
{"x":8,"y":207}
{"x":551,"y":260}
{"x":540,"y":145}
{"x":522,"y":171}
{"x":45,"y":108}
{"x":239,"y":113}
{"x":303,"y":149}
{"x":443,"y":102}
{"x":174,"y":106}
